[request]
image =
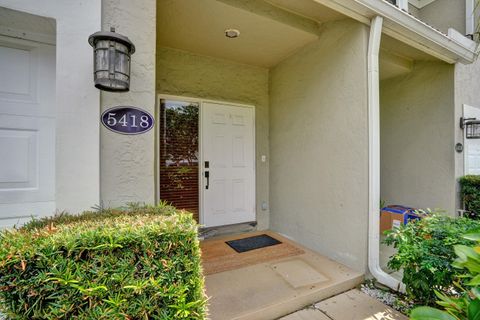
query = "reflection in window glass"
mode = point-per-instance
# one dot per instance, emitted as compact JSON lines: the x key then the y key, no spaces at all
{"x":179,"y":154}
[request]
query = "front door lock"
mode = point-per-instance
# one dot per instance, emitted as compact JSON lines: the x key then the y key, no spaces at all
{"x":207,"y":175}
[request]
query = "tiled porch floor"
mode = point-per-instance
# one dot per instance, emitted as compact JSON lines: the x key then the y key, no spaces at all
{"x":275,"y":288}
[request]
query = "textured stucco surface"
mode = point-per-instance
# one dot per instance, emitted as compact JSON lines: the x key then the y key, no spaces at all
{"x":127,"y":162}
{"x":444,"y":14}
{"x":417,"y":138}
{"x":77,"y":100}
{"x":186,"y":74}
{"x":467,"y":80}
{"x":319,"y":145}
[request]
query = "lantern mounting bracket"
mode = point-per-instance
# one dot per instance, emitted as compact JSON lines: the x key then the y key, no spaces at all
{"x":464,"y":121}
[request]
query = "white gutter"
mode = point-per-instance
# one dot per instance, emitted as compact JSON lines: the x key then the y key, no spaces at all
{"x":405,"y":28}
{"x":418,"y":34}
{"x":374,"y":158}
{"x":469,"y":16}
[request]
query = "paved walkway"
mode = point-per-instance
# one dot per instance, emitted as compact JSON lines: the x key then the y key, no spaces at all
{"x":351,"y":305}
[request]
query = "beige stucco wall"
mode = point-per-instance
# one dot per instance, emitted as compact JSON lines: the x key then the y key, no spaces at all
{"x":186,"y":74}
{"x":444,"y":14}
{"x":127,"y":162}
{"x":417,"y":138}
{"x":319,"y":144}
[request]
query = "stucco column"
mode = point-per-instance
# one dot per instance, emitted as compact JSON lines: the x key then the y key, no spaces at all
{"x":127,"y":162}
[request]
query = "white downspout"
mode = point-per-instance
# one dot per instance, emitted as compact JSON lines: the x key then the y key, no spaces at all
{"x":374,"y":158}
{"x":470,"y":17}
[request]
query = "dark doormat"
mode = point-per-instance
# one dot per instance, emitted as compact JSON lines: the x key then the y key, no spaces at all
{"x":252,"y":243}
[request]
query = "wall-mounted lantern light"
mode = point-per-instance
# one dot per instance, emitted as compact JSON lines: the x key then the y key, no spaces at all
{"x":111,"y":55}
{"x":471,"y":127}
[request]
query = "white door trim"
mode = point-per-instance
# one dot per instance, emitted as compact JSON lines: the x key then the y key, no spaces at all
{"x":201,"y":102}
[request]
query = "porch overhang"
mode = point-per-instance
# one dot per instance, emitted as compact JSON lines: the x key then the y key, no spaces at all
{"x":404,"y":27}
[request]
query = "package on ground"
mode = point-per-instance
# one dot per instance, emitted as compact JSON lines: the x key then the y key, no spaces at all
{"x":395,"y":215}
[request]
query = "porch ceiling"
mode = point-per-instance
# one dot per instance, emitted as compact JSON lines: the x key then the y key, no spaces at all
{"x":400,"y":48}
{"x":310,"y":9}
{"x":268,"y":33}
{"x":397,"y":58}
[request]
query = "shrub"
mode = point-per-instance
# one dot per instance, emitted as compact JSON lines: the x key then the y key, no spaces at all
{"x":465,"y":304}
{"x":425,"y":253}
{"x":136,"y":263}
{"x":470,"y":193}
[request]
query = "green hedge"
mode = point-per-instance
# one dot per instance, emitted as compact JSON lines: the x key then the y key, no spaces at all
{"x":470,"y":192}
{"x":138,"y":263}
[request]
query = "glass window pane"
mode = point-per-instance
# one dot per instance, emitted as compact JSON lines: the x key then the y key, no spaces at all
{"x":179,"y":181}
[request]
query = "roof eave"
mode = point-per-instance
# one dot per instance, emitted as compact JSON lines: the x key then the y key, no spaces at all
{"x":403,"y":26}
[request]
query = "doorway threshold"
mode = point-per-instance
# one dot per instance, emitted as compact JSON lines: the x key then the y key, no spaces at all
{"x":231,"y":229}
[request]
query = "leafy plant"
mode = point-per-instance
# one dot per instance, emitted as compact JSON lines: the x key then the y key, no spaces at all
{"x":470,"y":193}
{"x":425,"y":252}
{"x":141,"y":262}
{"x":465,"y":305}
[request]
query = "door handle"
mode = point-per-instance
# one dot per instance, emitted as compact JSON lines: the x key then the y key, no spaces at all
{"x":207,"y":175}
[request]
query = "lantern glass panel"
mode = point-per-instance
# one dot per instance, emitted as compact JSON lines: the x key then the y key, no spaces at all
{"x":101,"y":60}
{"x":473,"y":130}
{"x":122,"y":63}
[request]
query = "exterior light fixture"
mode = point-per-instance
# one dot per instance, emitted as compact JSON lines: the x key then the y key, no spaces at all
{"x":232,"y":33}
{"x":471,"y":127}
{"x":111,"y":55}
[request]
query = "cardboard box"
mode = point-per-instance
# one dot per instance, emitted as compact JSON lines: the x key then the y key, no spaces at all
{"x":392,"y":217}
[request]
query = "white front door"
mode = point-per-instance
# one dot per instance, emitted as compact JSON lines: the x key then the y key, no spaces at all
{"x":228,"y":164}
{"x":27,"y":130}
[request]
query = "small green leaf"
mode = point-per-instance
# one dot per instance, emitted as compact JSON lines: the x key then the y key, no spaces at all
{"x":463,"y":252}
{"x":476,"y":292}
{"x":475,"y":236}
{"x":474,"y":310}
{"x":475,"y":281}
{"x":427,"y":313}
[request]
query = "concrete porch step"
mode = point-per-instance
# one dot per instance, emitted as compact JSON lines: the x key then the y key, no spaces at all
{"x":351,"y":305}
{"x":270,"y":290}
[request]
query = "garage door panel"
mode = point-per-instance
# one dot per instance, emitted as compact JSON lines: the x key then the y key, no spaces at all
{"x":20,"y":63}
{"x":28,"y":167}
{"x":20,"y":160}
{"x":27,"y":74}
